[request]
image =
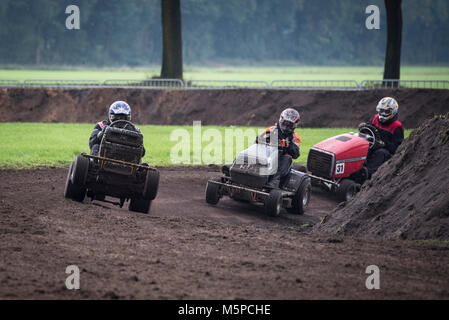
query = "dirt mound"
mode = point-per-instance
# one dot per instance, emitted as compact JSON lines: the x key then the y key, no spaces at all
{"x":408,"y":197}
{"x":217,"y":107}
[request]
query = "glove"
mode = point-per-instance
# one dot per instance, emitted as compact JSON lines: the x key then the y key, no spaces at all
{"x":361,"y":125}
{"x":283,"y":144}
{"x":100,"y":135}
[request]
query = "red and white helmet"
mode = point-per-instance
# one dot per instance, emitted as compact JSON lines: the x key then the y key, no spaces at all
{"x":289,"y":120}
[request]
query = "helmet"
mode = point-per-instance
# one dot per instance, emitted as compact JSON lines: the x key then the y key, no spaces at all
{"x":387,"y":109}
{"x":119,"y":110}
{"x":289,"y":120}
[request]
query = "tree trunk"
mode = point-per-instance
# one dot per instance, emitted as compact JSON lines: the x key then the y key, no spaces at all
{"x":394,"y":39}
{"x":171,"y":40}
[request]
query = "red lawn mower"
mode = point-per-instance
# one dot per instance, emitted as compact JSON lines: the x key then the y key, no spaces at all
{"x":339,"y":163}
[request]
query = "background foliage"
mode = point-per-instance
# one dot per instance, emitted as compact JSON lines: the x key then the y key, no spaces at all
{"x":128,"y":33}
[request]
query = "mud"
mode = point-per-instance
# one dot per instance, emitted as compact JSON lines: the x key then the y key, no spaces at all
{"x":408,"y":197}
{"x":218,"y":107}
{"x":187,"y":249}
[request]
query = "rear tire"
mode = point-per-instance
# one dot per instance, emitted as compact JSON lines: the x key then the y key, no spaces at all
{"x":213,"y":191}
{"x":80,"y":169}
{"x":72,"y":191}
{"x":140,"y":205}
{"x":151,"y":185}
{"x":273,"y":203}
{"x":302,"y":198}
{"x":347,"y":190}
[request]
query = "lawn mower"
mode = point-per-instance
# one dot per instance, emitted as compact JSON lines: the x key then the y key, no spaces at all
{"x":116,"y":171}
{"x":339,"y":163}
{"x":245,"y":180}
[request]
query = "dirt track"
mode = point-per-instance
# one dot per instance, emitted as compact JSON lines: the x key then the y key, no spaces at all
{"x":186,"y":249}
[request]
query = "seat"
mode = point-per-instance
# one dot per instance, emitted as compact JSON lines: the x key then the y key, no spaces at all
{"x":121,"y":144}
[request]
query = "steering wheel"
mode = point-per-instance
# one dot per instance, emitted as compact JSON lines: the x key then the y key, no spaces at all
{"x":126,"y":124}
{"x":372,"y":134}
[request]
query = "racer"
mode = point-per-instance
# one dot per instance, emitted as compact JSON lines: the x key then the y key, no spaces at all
{"x":288,"y":144}
{"x":118,"y":110}
{"x":391,"y":133}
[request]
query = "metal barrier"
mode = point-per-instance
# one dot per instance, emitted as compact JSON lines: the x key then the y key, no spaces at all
{"x":229,"y":84}
{"x":226,"y":84}
{"x":57,"y":83}
{"x":148,"y":83}
{"x":9,"y":83}
{"x":396,"y":84}
{"x":315,"y":84}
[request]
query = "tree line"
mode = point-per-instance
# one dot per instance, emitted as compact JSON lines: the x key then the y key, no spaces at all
{"x":310,"y":32}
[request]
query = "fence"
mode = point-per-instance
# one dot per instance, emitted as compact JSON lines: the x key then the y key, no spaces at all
{"x":149,"y":83}
{"x":228,"y":84}
{"x":315,"y":84}
{"x":417,"y":84}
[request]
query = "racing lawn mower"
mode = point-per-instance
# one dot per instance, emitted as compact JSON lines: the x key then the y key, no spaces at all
{"x":339,"y":163}
{"x":245,"y":180}
{"x":116,"y":171}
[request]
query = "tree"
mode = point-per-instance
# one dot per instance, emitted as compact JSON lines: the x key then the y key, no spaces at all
{"x":392,"y":68}
{"x":171,"y":40}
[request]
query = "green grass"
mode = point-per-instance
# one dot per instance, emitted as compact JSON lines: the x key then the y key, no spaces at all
{"x":28,"y":145}
{"x":232,"y":73}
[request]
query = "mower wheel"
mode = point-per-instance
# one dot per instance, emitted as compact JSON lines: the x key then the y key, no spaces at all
{"x":139,"y":205}
{"x":347,"y":190}
{"x":213,"y":191}
{"x":302,"y":198}
{"x":80,"y":169}
{"x":73,"y":191}
{"x":273,"y":203}
{"x":151,"y":185}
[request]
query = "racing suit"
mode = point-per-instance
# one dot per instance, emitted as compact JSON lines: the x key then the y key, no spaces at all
{"x":95,"y":137}
{"x":289,"y":147}
{"x":392,"y":134}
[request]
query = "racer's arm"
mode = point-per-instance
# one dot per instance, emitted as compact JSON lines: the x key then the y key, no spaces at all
{"x":264,"y":137}
{"x":396,"y":140}
{"x":293,"y":148}
{"x":94,"y":138}
{"x":143,"y":152}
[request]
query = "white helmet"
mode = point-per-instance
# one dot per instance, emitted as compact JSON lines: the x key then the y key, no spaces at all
{"x":387,"y":109}
{"x":289,"y":120}
{"x":119,"y":110}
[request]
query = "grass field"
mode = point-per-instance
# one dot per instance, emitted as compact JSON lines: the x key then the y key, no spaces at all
{"x":232,"y":73}
{"x":28,"y":145}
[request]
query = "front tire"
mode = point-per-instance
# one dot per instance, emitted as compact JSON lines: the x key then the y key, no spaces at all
{"x":273,"y":203}
{"x":140,"y":205}
{"x":301,"y":199}
{"x":347,"y":190}
{"x":213,"y":191}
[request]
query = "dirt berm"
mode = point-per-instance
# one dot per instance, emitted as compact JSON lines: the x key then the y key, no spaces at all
{"x":218,"y":107}
{"x":408,"y":197}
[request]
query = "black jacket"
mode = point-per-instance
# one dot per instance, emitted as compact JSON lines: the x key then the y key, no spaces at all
{"x":391,"y":133}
